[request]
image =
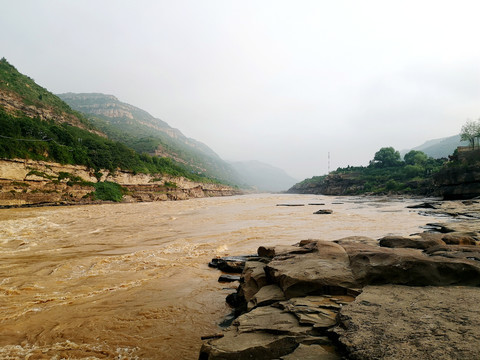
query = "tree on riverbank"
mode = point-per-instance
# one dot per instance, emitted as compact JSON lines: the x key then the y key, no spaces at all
{"x":470,"y":131}
{"x":386,"y":157}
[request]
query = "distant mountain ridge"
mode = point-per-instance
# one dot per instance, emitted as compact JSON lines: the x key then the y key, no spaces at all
{"x":145,"y":133}
{"x":263,"y":176}
{"x":439,"y":148}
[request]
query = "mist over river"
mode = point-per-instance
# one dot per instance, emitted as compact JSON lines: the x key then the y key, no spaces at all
{"x":120,"y":281}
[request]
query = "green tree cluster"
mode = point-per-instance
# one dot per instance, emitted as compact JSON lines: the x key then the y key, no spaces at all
{"x":388,"y":173}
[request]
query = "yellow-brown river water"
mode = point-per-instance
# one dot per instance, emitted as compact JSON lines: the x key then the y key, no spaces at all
{"x":126,"y":281}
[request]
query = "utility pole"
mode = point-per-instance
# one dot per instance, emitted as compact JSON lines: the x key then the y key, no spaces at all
{"x":329,"y":162}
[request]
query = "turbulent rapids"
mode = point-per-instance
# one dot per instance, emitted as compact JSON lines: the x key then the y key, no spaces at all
{"x":131,"y":280}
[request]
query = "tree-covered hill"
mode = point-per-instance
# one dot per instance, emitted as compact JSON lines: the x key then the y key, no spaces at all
{"x":36,"y":124}
{"x":438,"y":148}
{"x":387,"y":173}
{"x":147,"y":134}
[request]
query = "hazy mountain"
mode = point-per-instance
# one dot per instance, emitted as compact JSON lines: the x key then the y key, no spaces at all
{"x":147,"y":134}
{"x":438,"y":148}
{"x":37,"y":125}
{"x":263,"y":176}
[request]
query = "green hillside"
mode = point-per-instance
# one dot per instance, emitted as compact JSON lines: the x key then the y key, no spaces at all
{"x":147,"y":134}
{"x":36,"y":124}
{"x":439,"y":148}
{"x":387,"y":173}
{"x":23,"y":88}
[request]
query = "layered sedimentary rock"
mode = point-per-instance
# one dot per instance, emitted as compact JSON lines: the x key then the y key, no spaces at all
{"x":358,"y":298}
{"x":459,"y":182}
{"x":28,"y":182}
{"x":402,"y":322}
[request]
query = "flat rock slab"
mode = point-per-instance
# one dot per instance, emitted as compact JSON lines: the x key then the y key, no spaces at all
{"x":259,"y":346}
{"x":324,"y":271}
{"x":401,"y":322}
{"x":271,"y":320}
{"x":254,"y":278}
{"x":413,"y":242}
{"x":403,"y":266}
{"x":265,"y":296}
{"x":290,"y":204}
{"x":320,"y":312}
{"x":311,"y":352}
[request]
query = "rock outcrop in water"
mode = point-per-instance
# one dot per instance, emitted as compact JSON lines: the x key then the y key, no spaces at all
{"x":358,"y":298}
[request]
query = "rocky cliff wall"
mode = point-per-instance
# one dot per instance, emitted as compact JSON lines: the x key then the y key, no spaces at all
{"x":28,"y":182}
{"x":459,"y":182}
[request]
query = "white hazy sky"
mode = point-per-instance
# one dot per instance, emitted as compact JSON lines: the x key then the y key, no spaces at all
{"x":283,"y":82}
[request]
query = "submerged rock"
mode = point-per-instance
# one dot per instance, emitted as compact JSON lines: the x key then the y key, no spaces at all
{"x":311,"y":352}
{"x":228,"y":278}
{"x":231,"y":264}
{"x":425,"y":205}
{"x":290,"y":204}
{"x":323,"y":211}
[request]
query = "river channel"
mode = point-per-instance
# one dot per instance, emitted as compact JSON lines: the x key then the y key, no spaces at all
{"x":126,"y":281}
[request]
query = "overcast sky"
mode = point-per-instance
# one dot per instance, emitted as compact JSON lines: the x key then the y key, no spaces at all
{"x":283,"y":82}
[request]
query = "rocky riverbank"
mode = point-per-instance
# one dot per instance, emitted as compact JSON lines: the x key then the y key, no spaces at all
{"x":396,"y":297}
{"x":34,"y":183}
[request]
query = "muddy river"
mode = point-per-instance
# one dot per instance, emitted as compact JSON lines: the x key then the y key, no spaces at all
{"x":126,"y":281}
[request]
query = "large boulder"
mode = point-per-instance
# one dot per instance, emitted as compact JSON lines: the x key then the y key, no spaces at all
{"x":357,"y":239}
{"x":377,"y":265}
{"x":323,"y":271}
{"x":413,"y":242}
{"x":254,"y":278}
{"x":272,"y":251}
{"x":319,"y":312}
{"x":399,"y":322}
{"x":272,"y":320}
{"x":267,"y":295}
{"x":465,"y":252}
{"x":258,"y":345}
{"x":459,"y":239}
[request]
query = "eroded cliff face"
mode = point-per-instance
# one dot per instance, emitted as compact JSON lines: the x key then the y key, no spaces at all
{"x":30,"y":183}
{"x":460,"y":179}
{"x":460,"y":182}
